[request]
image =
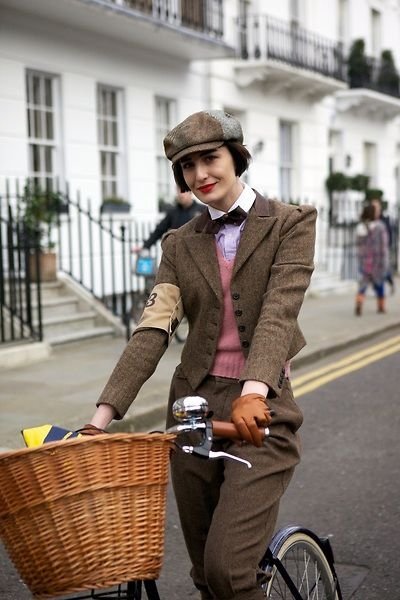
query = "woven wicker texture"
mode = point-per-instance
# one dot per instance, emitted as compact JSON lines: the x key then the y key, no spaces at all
{"x":85,"y":513}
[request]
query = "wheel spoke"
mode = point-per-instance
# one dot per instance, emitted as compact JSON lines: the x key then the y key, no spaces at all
{"x":308,"y":568}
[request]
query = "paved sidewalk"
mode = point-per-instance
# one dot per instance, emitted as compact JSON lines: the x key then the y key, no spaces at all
{"x":63,"y":388}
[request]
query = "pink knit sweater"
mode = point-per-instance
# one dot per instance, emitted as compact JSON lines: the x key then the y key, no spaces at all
{"x":229,"y":359}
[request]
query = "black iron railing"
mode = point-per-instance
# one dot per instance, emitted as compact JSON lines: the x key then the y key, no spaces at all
{"x":205,"y":16}
{"x":372,"y":77}
{"x":264,"y":37}
{"x":20,"y":291}
{"x":95,"y":250}
{"x":339,"y":254}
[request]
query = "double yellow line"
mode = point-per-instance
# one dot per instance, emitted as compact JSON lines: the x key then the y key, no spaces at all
{"x":315,"y":379}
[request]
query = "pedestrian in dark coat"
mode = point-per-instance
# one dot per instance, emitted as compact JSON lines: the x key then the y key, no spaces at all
{"x":185,"y":208}
{"x":239,"y":273}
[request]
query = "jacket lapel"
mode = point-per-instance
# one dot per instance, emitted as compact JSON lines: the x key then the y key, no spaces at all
{"x":203,"y":250}
{"x":204,"y":254}
{"x":258,"y":225}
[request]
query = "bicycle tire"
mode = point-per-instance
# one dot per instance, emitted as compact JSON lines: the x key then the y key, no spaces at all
{"x":140,"y":297}
{"x":182,"y":331}
{"x":139,"y":300}
{"x":307,"y":560}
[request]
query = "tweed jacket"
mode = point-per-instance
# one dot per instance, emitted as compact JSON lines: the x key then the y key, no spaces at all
{"x":271,"y":274}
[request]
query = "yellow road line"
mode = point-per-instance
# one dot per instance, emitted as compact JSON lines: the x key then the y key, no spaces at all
{"x":316,"y":383}
{"x":345,"y":361}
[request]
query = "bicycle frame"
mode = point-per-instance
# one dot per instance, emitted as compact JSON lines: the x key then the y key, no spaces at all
{"x":192,"y":415}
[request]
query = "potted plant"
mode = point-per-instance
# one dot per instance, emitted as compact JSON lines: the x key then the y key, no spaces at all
{"x":337,"y":182}
{"x":373,"y":194}
{"x":113,"y":204}
{"x":359,"y":67}
{"x":40,"y":210}
{"x":359,"y":182}
{"x":388,"y":77}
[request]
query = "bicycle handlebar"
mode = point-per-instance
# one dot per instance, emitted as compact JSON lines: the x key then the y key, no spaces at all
{"x":221,"y":429}
{"x":209,"y":429}
{"x":228,"y":430}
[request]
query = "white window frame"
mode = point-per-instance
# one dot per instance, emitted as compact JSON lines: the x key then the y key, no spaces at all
{"x":43,"y":126}
{"x":370,"y":157}
{"x":376,"y":32}
{"x":335,"y":149}
{"x":110,"y":140}
{"x":343,"y":22}
{"x":165,"y":118}
{"x":287,"y":159}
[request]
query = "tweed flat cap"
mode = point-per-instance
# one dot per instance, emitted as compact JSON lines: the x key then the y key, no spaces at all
{"x":204,"y":130}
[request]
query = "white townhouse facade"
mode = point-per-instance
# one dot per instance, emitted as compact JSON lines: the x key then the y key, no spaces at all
{"x":90,"y":87}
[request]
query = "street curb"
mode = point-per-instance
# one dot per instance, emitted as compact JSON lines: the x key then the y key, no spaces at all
{"x":24,"y":354}
{"x":143,"y":421}
{"x":323,"y":352}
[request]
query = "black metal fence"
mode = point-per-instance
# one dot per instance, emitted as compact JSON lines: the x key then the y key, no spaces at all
{"x":96,"y":251}
{"x":337,"y":248}
{"x":372,"y":77}
{"x":205,"y":16}
{"x":263,"y":37}
{"x":20,"y":291}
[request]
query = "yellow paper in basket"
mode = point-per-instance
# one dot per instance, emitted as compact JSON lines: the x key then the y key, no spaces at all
{"x":36,"y":436}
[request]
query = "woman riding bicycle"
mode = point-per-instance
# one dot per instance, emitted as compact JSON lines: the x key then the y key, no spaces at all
{"x":239,"y":273}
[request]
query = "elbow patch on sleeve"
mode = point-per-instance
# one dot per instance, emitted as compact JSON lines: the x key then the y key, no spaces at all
{"x":163,"y":310}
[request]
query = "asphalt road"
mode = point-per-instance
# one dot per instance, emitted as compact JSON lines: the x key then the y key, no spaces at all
{"x":347,"y":486}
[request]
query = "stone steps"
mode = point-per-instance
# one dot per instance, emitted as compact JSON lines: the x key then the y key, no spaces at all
{"x":70,"y":314}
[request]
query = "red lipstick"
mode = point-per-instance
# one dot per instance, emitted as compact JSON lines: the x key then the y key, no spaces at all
{"x":206,"y":189}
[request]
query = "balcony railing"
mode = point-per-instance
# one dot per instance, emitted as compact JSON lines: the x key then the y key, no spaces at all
{"x":204,"y":16}
{"x":374,"y":78}
{"x":262,"y":37}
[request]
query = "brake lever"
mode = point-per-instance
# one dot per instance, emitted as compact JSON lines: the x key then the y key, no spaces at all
{"x":204,"y":450}
{"x":220,"y":454}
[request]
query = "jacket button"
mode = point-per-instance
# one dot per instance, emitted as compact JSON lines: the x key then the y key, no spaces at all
{"x":245,"y":344}
{"x":235,"y":296}
{"x":238,"y":313}
{"x":242,"y":328}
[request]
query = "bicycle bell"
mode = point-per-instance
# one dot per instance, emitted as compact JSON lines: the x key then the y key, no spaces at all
{"x":190,"y":409}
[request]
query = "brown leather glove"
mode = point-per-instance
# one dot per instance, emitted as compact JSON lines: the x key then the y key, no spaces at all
{"x":89,"y":429}
{"x":249,"y":412}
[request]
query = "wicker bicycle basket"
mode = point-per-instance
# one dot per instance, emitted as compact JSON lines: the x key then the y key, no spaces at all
{"x":86,"y":513}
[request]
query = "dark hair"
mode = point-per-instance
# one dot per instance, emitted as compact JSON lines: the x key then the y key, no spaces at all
{"x":368,"y":213}
{"x":241,"y":159}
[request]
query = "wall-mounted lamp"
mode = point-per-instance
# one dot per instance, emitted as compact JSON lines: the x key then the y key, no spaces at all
{"x":258,"y":147}
{"x":348,"y":160}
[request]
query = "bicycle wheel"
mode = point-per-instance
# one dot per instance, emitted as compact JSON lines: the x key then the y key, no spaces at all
{"x":298,"y":554}
{"x":139,"y":300}
{"x":182,"y":331}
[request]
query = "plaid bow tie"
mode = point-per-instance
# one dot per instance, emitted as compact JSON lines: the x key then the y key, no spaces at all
{"x":235,"y":217}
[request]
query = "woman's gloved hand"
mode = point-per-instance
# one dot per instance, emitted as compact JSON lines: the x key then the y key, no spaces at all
{"x":89,"y":429}
{"x":249,"y":412}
